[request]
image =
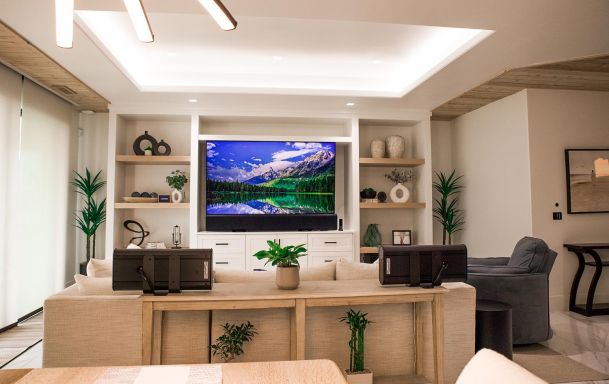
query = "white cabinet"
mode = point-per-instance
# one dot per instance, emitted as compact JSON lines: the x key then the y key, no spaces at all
{"x":236,"y":250}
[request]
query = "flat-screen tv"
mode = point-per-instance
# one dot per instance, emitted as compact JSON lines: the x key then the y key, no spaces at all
{"x":269,"y":185}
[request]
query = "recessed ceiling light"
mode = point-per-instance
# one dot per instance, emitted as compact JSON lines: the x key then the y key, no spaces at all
{"x":64,"y":23}
{"x":139,"y":20}
{"x":221,"y":15}
{"x":192,"y":100}
{"x":376,"y":61}
{"x":277,"y":58}
{"x":350,"y":104}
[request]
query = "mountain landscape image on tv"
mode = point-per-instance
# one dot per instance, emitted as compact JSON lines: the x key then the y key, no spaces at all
{"x":270,"y":177}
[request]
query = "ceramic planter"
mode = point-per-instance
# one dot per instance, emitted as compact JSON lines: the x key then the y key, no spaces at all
{"x":177,"y":196}
{"x":377,"y":148}
{"x":287,"y":277}
{"x":396,"y":145}
{"x":364,"y":377}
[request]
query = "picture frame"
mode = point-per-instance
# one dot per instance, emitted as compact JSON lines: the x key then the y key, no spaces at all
{"x":587,"y":179}
{"x":401,"y":237}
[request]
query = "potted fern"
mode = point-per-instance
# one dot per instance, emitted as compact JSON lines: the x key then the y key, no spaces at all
{"x":357,"y":322}
{"x":230,"y":344}
{"x":286,"y":261}
{"x":446,"y":209}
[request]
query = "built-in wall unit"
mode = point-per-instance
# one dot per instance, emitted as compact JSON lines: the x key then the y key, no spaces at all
{"x":193,"y":135}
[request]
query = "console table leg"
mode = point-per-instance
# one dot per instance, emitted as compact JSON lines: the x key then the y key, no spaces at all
{"x":157,"y":336}
{"x":418,"y":339}
{"x":147,"y":333}
{"x":594,"y":282}
{"x":297,"y":330}
{"x":576,"y":280}
{"x":437,"y":313}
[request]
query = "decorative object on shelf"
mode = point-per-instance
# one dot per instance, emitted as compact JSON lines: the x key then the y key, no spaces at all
{"x":381,"y":196}
{"x":156,"y":245}
{"x":367,"y":193}
{"x":145,"y":194}
{"x":148,"y":151}
{"x":399,"y":193}
{"x":142,"y":197}
{"x":445,"y":210}
{"x":286,"y":261}
{"x":587,"y":178}
{"x":230,"y":344}
{"x":166,"y":149}
{"x":93,"y":214}
{"x":372,"y":237}
{"x":135,"y":194}
{"x":377,"y":149}
{"x":177,"y":180}
{"x":135,"y":227}
{"x":137,"y":144}
{"x":396,"y":145}
{"x":164,"y":198}
{"x":357,"y":322}
{"x":176,"y":237}
{"x":401,"y":237}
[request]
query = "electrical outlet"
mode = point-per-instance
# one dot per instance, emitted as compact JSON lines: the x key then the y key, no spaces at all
{"x":556,"y":215}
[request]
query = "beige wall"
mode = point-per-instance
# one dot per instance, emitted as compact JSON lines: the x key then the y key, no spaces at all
{"x":490,"y":148}
{"x":560,"y":120}
{"x":441,"y":154}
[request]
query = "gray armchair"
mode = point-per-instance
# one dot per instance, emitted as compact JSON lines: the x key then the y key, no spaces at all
{"x":521,"y":281}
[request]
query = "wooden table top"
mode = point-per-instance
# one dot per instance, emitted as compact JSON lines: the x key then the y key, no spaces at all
{"x":280,"y":372}
{"x":306,"y":290}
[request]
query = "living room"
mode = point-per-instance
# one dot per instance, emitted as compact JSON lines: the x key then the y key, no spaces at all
{"x":425,"y":179}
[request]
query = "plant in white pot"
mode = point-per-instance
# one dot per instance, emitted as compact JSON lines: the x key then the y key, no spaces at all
{"x":286,"y":260}
{"x":400,"y":193}
{"x":176,"y":181}
{"x":357,"y":322}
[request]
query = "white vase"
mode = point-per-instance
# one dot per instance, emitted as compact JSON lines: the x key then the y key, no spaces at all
{"x":177,"y":196}
{"x":399,"y":193}
{"x":377,"y":148}
{"x":365,"y":377}
{"x":395,"y":146}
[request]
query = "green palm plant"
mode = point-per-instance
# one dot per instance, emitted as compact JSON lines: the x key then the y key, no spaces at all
{"x":446,"y":209}
{"x":93,"y":214}
{"x":281,"y":256}
{"x":357,"y":322}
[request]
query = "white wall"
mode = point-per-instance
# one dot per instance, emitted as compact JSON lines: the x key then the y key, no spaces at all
{"x":491,"y":150}
{"x":560,"y":120}
{"x":441,"y":154}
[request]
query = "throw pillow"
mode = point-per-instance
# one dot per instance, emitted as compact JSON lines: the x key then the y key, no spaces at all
{"x":322,"y":272}
{"x":326,"y":271}
{"x":99,"y":268}
{"x":349,"y":270}
{"x":529,"y":253}
{"x":101,"y":286}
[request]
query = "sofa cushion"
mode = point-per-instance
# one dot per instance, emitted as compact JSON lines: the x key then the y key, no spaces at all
{"x":529,"y":253}
{"x":99,"y":268}
{"x":99,"y":286}
{"x":349,"y":270}
{"x":322,"y":272}
{"x":496,"y":269}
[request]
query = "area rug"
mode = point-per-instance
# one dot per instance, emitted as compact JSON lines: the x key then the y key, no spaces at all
{"x":553,"y":367}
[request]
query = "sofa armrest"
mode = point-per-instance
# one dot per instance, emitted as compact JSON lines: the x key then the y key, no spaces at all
{"x":528,"y":295}
{"x":497,"y":269}
{"x":487,"y":260}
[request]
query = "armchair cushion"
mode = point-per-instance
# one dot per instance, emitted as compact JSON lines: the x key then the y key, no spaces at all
{"x":530,"y":253}
{"x":489,"y":261}
{"x":496,"y":269}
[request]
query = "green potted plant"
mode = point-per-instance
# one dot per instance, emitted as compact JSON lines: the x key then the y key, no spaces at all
{"x":92,"y":214}
{"x":176,"y":181}
{"x":148,"y":151}
{"x":286,"y":261}
{"x":357,"y":322}
{"x":445,"y":210}
{"x":230,"y":344}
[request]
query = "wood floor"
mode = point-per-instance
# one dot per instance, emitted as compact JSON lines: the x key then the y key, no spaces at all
{"x":21,"y":346}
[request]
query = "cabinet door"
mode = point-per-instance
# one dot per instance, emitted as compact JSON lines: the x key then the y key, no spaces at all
{"x":255,"y":243}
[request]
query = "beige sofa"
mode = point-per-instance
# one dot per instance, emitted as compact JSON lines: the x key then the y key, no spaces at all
{"x":99,"y":328}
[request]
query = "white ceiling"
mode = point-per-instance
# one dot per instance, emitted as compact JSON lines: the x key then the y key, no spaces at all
{"x":526,"y":32}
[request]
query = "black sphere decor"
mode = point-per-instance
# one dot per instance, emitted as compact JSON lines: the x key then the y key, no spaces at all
{"x":137,"y":144}
{"x":382,"y":196}
{"x":157,"y":149}
{"x":135,"y":194}
{"x":367,"y":193}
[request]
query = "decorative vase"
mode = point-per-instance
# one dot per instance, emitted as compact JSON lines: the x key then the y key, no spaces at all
{"x":364,"y":377}
{"x":177,"y":196}
{"x":373,"y":237}
{"x":287,"y":277}
{"x":395,"y":146}
{"x":377,"y":148}
{"x":399,"y":193}
{"x":148,"y":152}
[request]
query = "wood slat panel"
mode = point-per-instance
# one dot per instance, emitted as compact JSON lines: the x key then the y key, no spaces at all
{"x":18,"y":53}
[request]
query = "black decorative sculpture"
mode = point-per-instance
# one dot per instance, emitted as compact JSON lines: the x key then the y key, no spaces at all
{"x":137,"y":149}
{"x":138,"y":229}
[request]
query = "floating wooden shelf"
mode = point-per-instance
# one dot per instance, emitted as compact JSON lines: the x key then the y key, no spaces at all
{"x":364,"y":249}
{"x":373,"y":162}
{"x":152,"y":205}
{"x":153,"y":160}
{"x":391,"y":205}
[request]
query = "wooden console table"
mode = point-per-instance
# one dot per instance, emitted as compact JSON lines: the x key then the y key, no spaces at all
{"x":309,"y":294}
{"x":590,"y":309}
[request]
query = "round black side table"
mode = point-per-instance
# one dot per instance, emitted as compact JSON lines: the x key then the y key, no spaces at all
{"x":494,"y":326}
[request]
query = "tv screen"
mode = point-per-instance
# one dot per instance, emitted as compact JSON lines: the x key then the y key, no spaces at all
{"x":269,"y":178}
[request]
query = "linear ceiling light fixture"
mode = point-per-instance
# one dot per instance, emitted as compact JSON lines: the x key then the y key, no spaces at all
{"x":139,"y":20}
{"x":221,"y":15}
{"x":64,"y":23}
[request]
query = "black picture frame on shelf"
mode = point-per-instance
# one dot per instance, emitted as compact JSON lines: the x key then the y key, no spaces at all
{"x":401,"y":237}
{"x":587,"y":178}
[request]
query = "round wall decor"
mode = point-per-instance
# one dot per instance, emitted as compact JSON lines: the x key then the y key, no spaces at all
{"x":137,"y":144}
{"x":162,"y":149}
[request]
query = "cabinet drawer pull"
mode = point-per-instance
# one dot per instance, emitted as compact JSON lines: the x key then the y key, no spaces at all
{"x":330,"y":242}
{"x":221,"y":243}
{"x":328,"y":261}
{"x":221,"y":262}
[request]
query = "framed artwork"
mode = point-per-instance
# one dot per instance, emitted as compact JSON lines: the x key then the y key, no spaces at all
{"x":587,"y":180}
{"x":402,"y":237}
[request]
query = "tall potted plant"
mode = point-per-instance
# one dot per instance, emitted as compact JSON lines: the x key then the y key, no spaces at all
{"x":92,"y":214}
{"x":286,"y":261}
{"x":357,"y":322}
{"x":446,"y":209}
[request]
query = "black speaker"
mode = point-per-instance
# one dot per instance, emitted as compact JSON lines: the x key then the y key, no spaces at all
{"x":340,"y":224}
{"x":245,"y":223}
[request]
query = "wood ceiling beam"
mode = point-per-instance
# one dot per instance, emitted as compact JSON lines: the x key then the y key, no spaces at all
{"x":19,"y":54}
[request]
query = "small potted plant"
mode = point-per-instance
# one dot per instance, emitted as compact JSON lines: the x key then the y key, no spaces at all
{"x":176,"y":181}
{"x":357,"y":322}
{"x":286,"y":261}
{"x":148,"y":151}
{"x":399,"y":177}
{"x":230,"y":344}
